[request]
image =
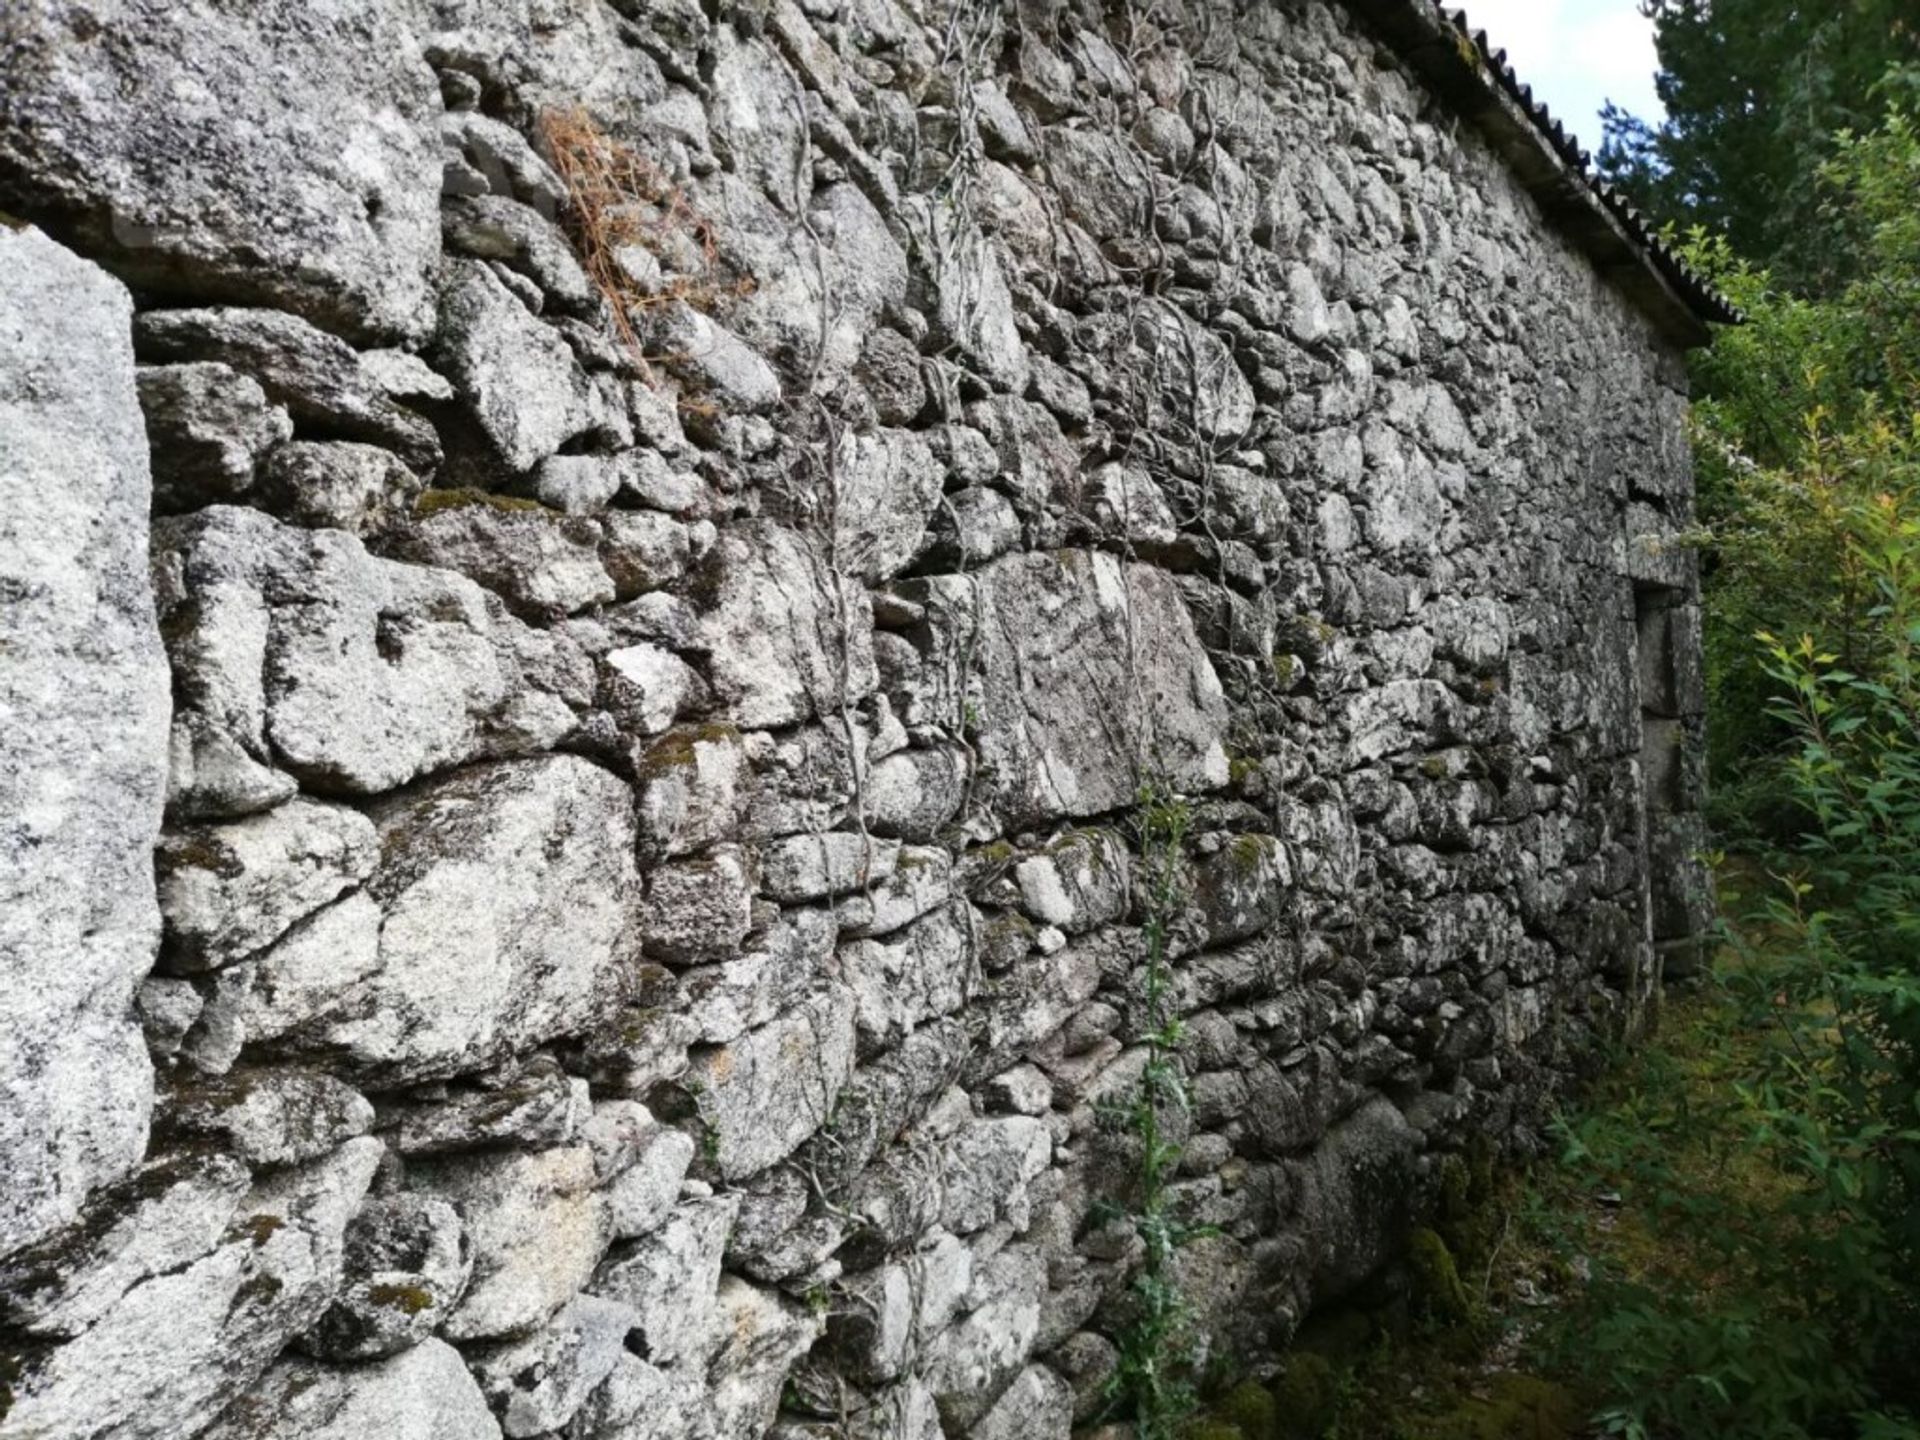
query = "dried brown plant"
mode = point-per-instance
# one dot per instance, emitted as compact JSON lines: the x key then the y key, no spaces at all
{"x":618,"y":197}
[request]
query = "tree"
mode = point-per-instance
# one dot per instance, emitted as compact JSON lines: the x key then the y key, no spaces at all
{"x":1755,"y":91}
{"x":1807,"y":419}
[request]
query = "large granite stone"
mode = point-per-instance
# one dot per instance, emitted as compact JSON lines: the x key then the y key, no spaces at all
{"x":83,"y":703}
{"x":506,"y":893}
{"x":296,"y":651}
{"x":149,"y":133}
{"x":1089,"y":681}
{"x":423,"y":1394}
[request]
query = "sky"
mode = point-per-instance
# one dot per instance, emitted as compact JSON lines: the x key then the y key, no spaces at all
{"x":1576,"y":54}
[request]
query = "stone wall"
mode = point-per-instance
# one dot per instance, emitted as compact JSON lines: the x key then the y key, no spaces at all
{"x":681,"y":536}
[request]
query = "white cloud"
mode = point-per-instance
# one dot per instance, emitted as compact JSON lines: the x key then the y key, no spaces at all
{"x":1576,"y":54}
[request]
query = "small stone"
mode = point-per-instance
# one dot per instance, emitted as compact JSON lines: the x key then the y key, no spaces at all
{"x":699,"y":909}
{"x":818,"y":867}
{"x":1037,"y":1406}
{"x":407,"y":1264}
{"x":1076,"y":883}
{"x":671,"y":1280}
{"x":268,"y":1117}
{"x":926,"y":971}
{"x":643,"y":551}
{"x":922,"y":881}
{"x":491,"y":227}
{"x":208,"y":427}
{"x":525,"y":390}
{"x":317,"y":376}
{"x":501,"y":155}
{"x":536,"y":1229}
{"x":642,"y":1194}
{"x":167,"y":1008}
{"x":228,"y":891}
{"x":720,"y":366}
{"x":690,"y":783}
{"x":542,"y":563}
{"x":972,"y":528}
{"x":788,"y":639}
{"x":912,"y":795}
{"x":576,"y":484}
{"x":886,"y":485}
{"x":646,"y":687}
{"x":337,"y":484}
{"x":1023,"y":1090}
{"x":765,"y":1333}
{"x":648,"y":479}
{"x":766,"y":1093}
{"x":537,"y":1106}
{"x":989,"y":1165}
{"x":538,"y":1383}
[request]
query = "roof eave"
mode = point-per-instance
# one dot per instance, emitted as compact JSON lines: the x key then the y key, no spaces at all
{"x":1461,"y":69}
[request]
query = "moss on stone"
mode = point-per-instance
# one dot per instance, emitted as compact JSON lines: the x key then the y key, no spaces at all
{"x":1247,"y":854}
{"x":1306,"y":1397}
{"x":1512,"y":1407}
{"x":1437,"y":1287}
{"x":678,"y":749}
{"x":261,"y":1228}
{"x":200,"y":850}
{"x":438,"y":502}
{"x":408,"y":1299}
{"x":1252,"y":1408}
{"x":1210,"y":1428}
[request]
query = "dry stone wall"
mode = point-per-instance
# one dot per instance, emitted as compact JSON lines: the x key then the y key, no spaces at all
{"x":647,"y":554}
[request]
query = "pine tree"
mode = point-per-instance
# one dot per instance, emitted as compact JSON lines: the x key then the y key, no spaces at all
{"x":1755,"y":91}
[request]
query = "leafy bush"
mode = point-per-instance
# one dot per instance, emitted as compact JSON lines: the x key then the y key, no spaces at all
{"x":1806,"y":413}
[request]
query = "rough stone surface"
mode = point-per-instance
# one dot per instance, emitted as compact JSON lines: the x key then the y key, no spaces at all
{"x":182,"y":1343}
{"x":297,"y":649}
{"x":669,"y":1281}
{"x":227,"y":891}
{"x":277,"y":1117}
{"x":536,"y":1228}
{"x":527,"y":393}
{"x":207,"y":428}
{"x":163,"y":154}
{"x":505,"y":903}
{"x":407,"y":1263}
{"x":83,"y":700}
{"x":703,"y":553}
{"x":325,"y":386}
{"x":787,"y":638}
{"x":761,"y":1096}
{"x":538,"y":1383}
{"x":423,"y":1394}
